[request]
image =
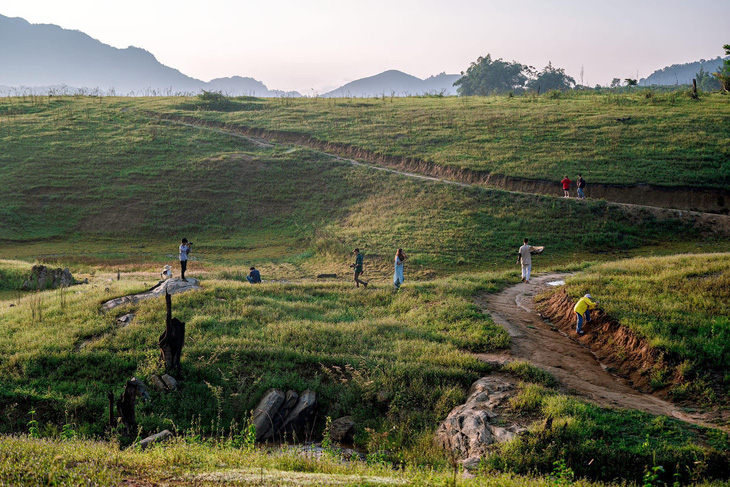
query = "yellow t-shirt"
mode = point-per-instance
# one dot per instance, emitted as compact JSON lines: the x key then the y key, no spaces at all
{"x":583,"y":304}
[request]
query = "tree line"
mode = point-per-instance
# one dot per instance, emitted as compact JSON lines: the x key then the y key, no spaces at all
{"x":487,"y":76}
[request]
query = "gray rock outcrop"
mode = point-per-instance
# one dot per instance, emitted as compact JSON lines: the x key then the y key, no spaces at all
{"x":471,"y":428}
{"x":42,"y":277}
{"x":279,"y":413}
{"x":171,"y":286}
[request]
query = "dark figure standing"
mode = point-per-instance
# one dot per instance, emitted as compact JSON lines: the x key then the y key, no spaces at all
{"x":254,"y":277}
{"x":358,"y":268}
{"x":581,"y":185}
{"x":184,"y":251}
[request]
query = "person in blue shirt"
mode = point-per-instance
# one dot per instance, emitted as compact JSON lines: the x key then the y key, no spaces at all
{"x":254,"y":277}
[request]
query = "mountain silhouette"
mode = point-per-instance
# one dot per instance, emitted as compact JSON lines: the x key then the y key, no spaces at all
{"x":396,"y":83}
{"x":46,"y":56}
{"x":681,"y":74}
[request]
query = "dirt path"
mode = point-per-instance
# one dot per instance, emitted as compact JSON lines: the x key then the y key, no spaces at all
{"x":714,"y":222}
{"x":573,"y":365}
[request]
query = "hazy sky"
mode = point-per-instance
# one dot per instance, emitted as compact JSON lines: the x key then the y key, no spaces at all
{"x":321,"y":44}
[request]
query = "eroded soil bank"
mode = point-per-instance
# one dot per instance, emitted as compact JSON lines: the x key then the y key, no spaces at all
{"x":681,"y":198}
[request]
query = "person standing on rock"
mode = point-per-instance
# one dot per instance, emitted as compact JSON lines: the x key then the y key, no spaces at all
{"x":566,"y":187}
{"x":400,"y":258}
{"x":582,"y":310}
{"x":357,"y":266}
{"x":524,"y":257}
{"x":184,"y":251}
{"x":581,"y":183}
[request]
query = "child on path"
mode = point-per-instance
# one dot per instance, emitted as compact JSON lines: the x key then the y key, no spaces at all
{"x":184,"y":251}
{"x":581,"y":185}
{"x":400,"y":257}
{"x":583,"y":310}
{"x":566,"y":187}
{"x":358,"y":268}
{"x":524,"y":257}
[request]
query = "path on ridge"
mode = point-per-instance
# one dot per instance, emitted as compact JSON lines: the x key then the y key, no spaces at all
{"x":572,"y":364}
{"x":714,"y":221}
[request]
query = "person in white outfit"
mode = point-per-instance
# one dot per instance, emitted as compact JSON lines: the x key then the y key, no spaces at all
{"x":524,"y":257}
{"x":400,"y":257}
{"x":166,"y":273}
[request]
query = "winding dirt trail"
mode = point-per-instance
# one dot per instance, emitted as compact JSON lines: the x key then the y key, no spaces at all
{"x":572,"y":364}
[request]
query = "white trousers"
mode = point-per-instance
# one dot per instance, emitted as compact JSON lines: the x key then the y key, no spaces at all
{"x":526,"y":269}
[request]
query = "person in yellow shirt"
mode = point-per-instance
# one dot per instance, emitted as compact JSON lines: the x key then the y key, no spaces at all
{"x":583,"y":310}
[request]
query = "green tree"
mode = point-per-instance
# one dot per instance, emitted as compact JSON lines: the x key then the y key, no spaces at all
{"x":631,"y":82}
{"x":705,"y":81}
{"x":615,"y":83}
{"x":723,"y":75}
{"x":489,"y":77}
{"x":551,"y":78}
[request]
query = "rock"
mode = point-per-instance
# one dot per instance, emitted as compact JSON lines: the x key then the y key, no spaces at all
{"x":324,"y":276}
{"x":265,"y":412}
{"x":342,"y":430}
{"x":158,"y":384}
{"x":66,"y":279}
{"x":158,"y":438}
{"x":170,"y":382}
{"x":42,"y":277}
{"x":126,"y":319}
{"x":86,"y":280}
{"x":297,"y":421}
{"x":170,"y":286}
{"x":471,"y":428}
{"x":290,"y":401}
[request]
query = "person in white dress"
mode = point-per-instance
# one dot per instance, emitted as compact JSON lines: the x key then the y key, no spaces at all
{"x":400,"y":257}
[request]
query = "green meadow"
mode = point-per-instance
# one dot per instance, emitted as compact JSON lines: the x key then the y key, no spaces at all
{"x":667,"y":138}
{"x":103,"y":185}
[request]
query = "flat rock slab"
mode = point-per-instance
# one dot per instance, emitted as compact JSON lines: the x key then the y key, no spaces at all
{"x":158,"y":438}
{"x":172,"y":286}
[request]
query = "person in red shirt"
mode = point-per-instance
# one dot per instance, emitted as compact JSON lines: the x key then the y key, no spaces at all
{"x":566,"y":187}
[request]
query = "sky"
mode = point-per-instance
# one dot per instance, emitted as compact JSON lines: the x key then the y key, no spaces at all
{"x":317,"y":45}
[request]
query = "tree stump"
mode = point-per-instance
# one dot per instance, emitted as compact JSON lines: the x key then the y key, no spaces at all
{"x":172,"y":340}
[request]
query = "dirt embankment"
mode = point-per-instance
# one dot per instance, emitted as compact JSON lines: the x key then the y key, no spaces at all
{"x":619,"y":349}
{"x":684,"y":198}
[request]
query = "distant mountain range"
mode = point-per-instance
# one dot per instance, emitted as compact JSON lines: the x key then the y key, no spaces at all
{"x":397,"y":83}
{"x":681,"y":74}
{"x":44,"y":57}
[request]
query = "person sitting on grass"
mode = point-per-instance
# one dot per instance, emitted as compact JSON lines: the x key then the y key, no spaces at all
{"x":582,"y":310}
{"x":166,"y":273}
{"x":254,"y":277}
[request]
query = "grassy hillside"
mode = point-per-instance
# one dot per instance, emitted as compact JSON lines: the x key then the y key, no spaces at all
{"x":90,"y":181}
{"x":398,"y":363}
{"x":679,"y":304}
{"x":669,"y":139}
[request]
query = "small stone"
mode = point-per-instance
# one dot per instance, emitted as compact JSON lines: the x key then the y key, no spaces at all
{"x":158,"y":384}
{"x":170,"y":382}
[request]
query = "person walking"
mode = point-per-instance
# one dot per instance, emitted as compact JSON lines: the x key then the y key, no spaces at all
{"x":524,"y":257}
{"x":254,"y":277}
{"x":566,"y":187}
{"x":184,"y":251}
{"x":400,"y":258}
{"x":358,"y":268}
{"x":582,"y":310}
{"x":581,"y":184}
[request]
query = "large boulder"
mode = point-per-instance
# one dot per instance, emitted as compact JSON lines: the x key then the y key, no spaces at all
{"x":298,"y":420}
{"x":266,"y":411}
{"x":471,"y":428}
{"x":290,"y":401}
{"x":42,"y":277}
{"x":170,"y":286}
